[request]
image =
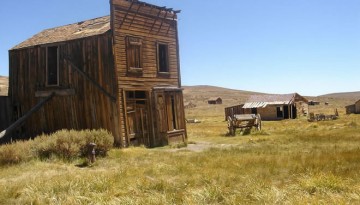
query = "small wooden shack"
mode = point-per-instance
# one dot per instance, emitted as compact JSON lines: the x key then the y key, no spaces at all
{"x":277,"y":107}
{"x":313,"y":102}
{"x":189,"y":105}
{"x":119,"y":72}
{"x":354,"y":108}
{"x":215,"y":101}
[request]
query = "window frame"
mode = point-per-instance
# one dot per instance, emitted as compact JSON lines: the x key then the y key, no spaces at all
{"x":158,"y":59}
{"x":57,"y":66}
{"x":132,"y":43}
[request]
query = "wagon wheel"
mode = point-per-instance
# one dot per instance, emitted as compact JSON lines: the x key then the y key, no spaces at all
{"x":258,"y":124}
{"x":231,"y":126}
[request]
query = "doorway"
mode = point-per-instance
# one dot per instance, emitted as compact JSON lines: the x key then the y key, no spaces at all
{"x":286,"y":112}
{"x":137,"y":117}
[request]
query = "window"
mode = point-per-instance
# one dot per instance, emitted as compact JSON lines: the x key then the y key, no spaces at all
{"x":134,"y":54}
{"x":162,"y":58}
{"x":52,"y":66}
{"x":254,"y":111}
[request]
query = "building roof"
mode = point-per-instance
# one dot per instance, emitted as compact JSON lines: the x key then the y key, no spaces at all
{"x":261,"y":101}
{"x":214,"y":99}
{"x":74,"y":31}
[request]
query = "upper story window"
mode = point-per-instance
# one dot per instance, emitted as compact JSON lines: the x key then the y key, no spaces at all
{"x":52,"y":66}
{"x":163,"y":58}
{"x":134,"y":54}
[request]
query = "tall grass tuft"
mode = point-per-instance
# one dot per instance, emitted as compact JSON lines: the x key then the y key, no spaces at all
{"x":64,"y":144}
{"x":15,"y":153}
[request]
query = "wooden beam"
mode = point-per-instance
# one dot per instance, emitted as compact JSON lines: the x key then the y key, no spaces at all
{"x":117,"y":8}
{"x":91,"y":80}
{"x":127,"y":12}
{"x":27,"y":115}
{"x":155,"y":19}
{"x":62,"y":92}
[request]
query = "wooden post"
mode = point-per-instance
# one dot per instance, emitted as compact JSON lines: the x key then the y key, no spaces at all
{"x":91,"y":153}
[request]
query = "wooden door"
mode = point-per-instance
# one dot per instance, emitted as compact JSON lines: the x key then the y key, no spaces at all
{"x":138,"y":121}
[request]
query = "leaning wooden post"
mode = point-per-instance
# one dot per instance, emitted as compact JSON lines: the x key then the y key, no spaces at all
{"x":23,"y":118}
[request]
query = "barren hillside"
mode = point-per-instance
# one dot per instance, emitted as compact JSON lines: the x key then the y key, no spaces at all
{"x":4,"y":83}
{"x":347,"y":95}
{"x":199,"y":95}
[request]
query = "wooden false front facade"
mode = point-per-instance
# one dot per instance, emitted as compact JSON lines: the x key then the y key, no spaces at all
{"x":148,"y":76}
{"x":119,"y":72}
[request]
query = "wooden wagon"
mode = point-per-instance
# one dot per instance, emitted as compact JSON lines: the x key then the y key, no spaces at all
{"x":243,"y":121}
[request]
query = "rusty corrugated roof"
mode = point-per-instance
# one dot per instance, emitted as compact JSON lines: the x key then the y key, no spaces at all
{"x":271,"y":98}
{"x":261,"y":101}
{"x":74,"y":31}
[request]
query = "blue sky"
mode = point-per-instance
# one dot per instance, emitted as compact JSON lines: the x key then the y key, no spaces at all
{"x":275,"y":46}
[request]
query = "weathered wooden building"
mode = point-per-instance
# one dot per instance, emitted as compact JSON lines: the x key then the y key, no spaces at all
{"x":313,"y":103}
{"x":189,"y":105}
{"x":215,"y":101}
{"x":354,"y":108}
{"x":119,"y":72}
{"x":277,"y":107}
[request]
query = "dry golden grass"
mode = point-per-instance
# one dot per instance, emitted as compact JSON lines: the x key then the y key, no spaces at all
{"x":289,"y":162}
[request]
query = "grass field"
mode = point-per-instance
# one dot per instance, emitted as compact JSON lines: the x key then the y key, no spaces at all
{"x":288,"y":162}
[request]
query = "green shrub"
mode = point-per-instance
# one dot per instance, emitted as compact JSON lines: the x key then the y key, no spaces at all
{"x":71,"y":144}
{"x":104,"y":141}
{"x":16,"y":152}
{"x":63,"y":144}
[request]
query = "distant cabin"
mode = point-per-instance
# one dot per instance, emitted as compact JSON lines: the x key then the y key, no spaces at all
{"x":354,"y":108}
{"x":277,"y":107}
{"x":188,"y":105}
{"x":215,"y":101}
{"x":119,"y":72}
{"x":313,"y":102}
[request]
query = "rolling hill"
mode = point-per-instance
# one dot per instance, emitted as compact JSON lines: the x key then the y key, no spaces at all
{"x":4,"y":85}
{"x":199,"y":95}
{"x":346,"y":95}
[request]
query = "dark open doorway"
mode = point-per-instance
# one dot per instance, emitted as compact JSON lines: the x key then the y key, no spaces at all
{"x":286,"y":112}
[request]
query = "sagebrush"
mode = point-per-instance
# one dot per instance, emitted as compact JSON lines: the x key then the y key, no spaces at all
{"x":64,"y":144}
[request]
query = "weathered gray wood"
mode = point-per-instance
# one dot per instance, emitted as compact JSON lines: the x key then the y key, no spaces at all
{"x":23,"y":118}
{"x":62,"y":92}
{"x":91,"y":80}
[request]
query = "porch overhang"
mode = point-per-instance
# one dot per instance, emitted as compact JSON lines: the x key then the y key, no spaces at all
{"x":264,"y":104}
{"x":167,"y":89}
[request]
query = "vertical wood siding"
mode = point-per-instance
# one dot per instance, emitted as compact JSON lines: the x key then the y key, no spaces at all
{"x":89,"y":108}
{"x":152,"y":25}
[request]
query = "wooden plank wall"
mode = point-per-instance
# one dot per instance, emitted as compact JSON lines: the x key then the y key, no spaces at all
{"x":237,"y":109}
{"x":151,"y":31}
{"x":5,"y":112}
{"x":151,"y":25}
{"x":89,"y":108}
{"x":357,"y":107}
